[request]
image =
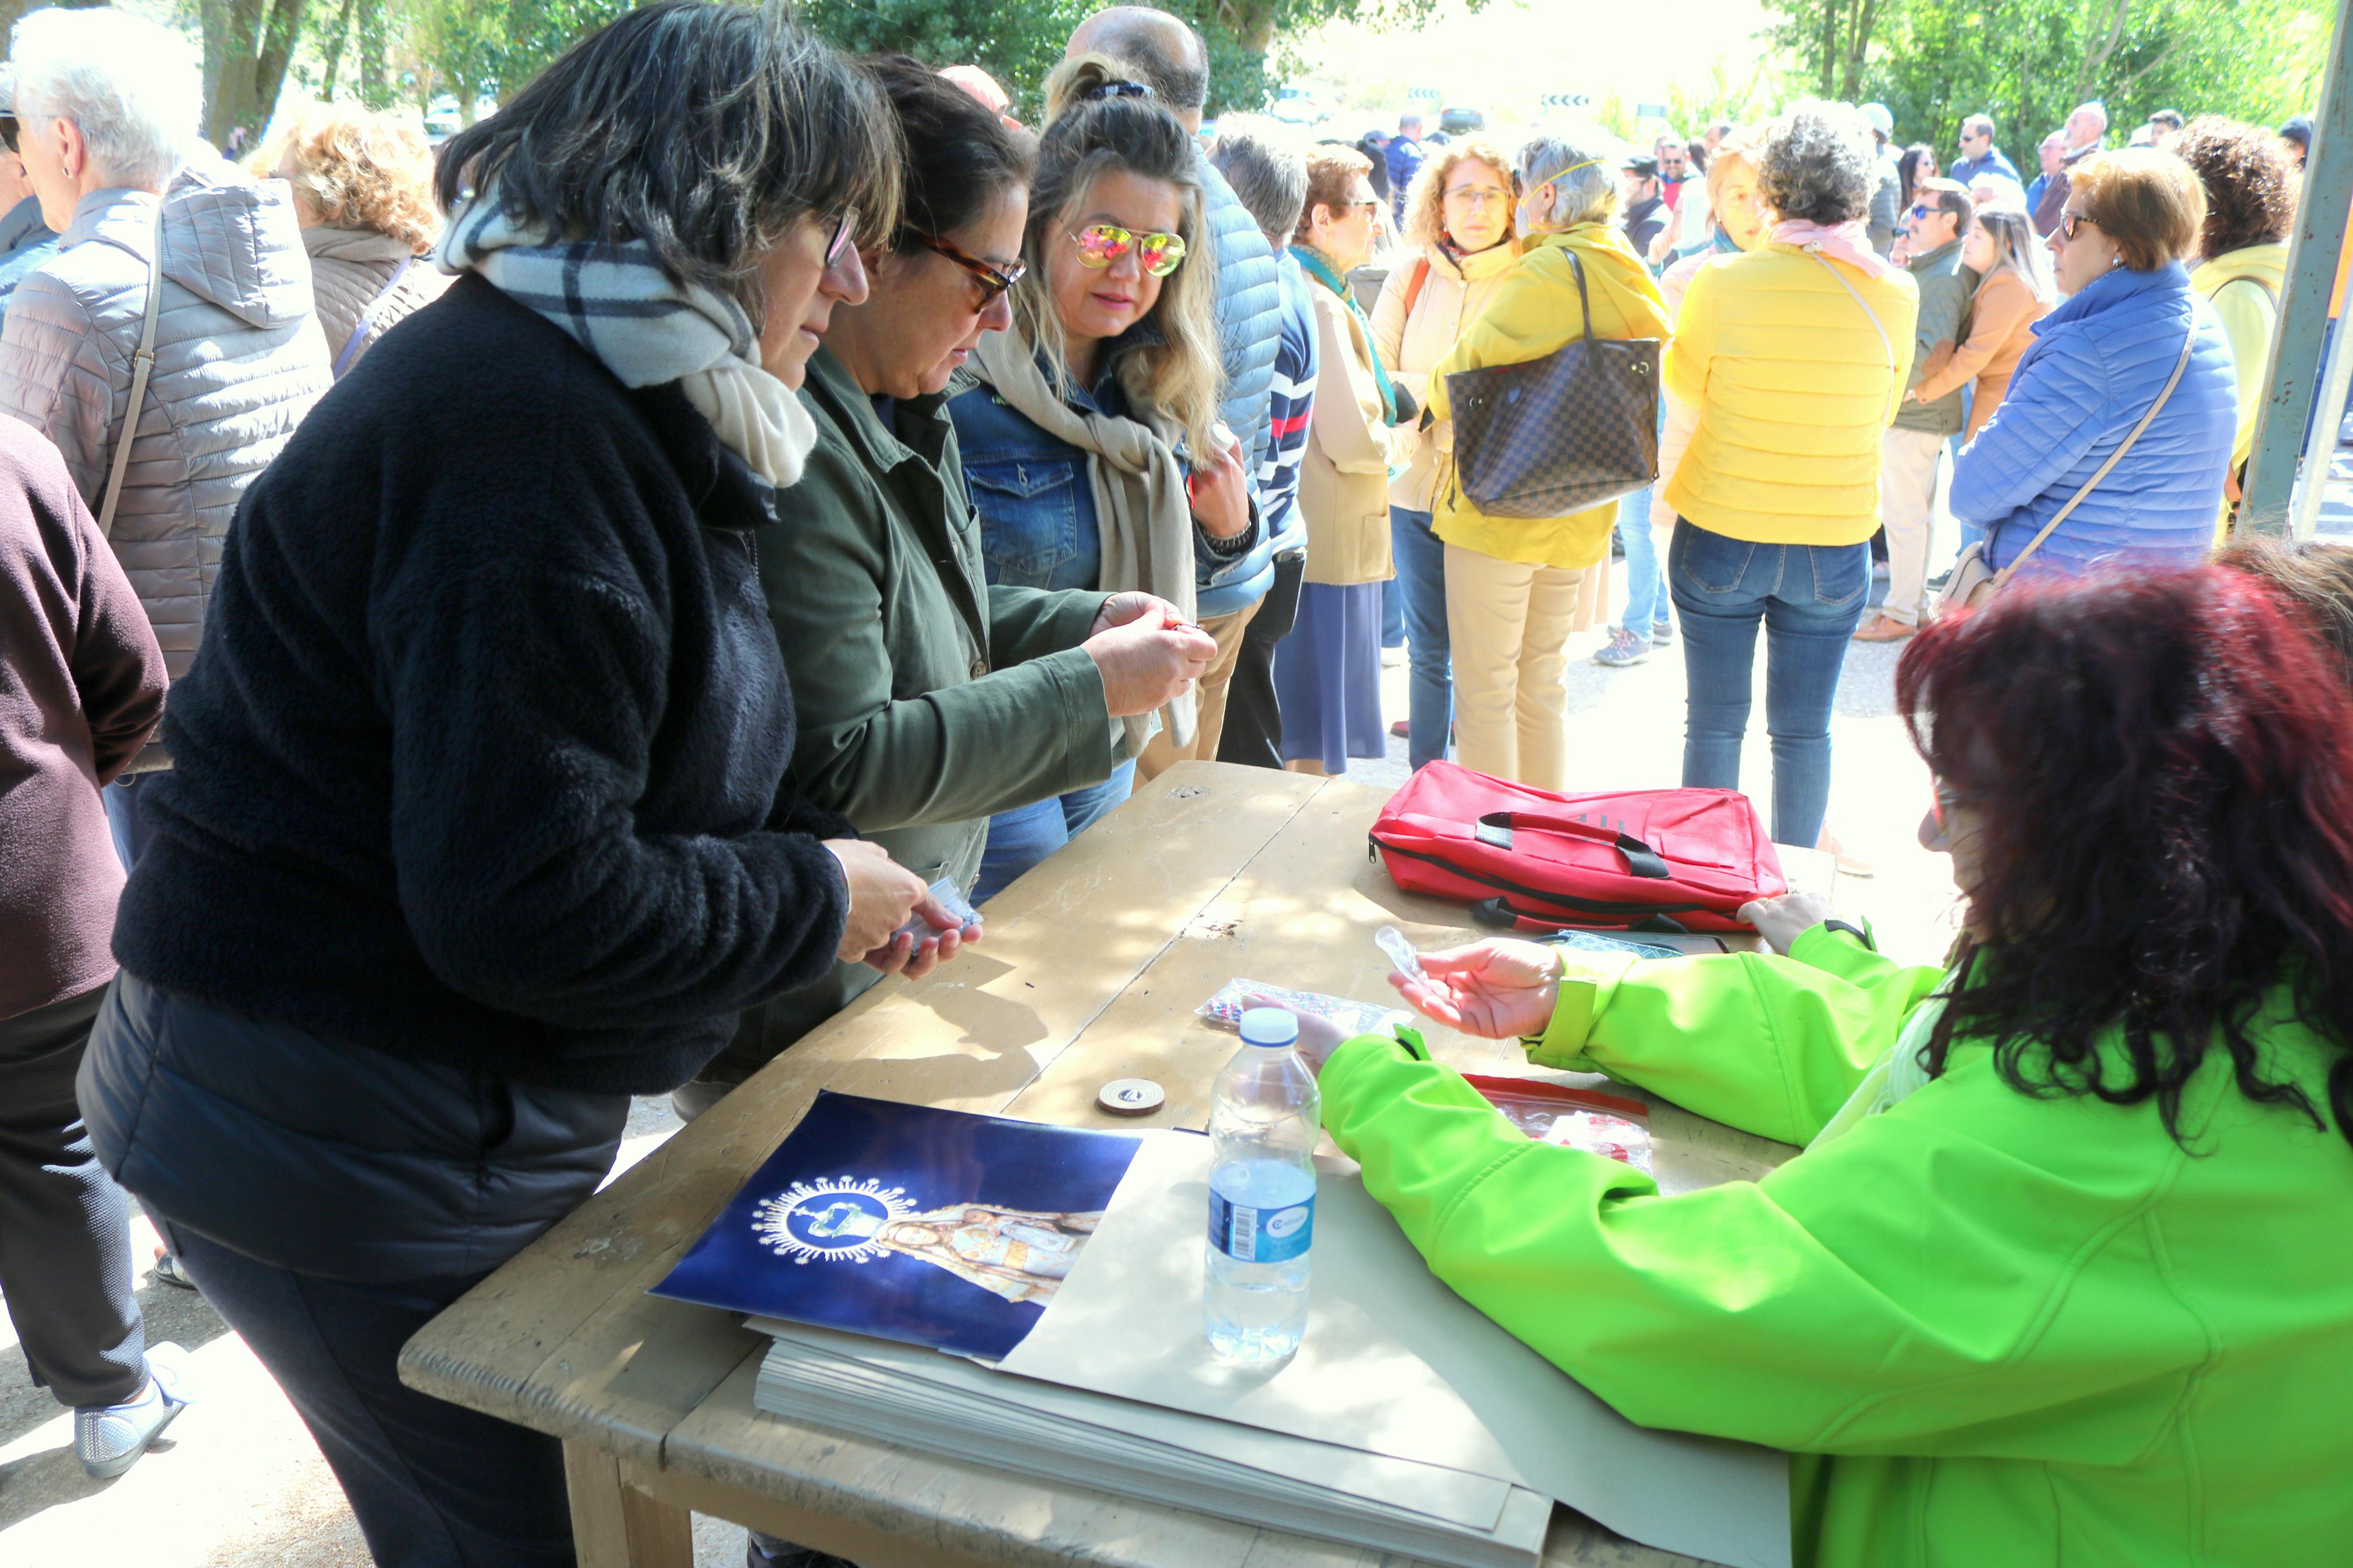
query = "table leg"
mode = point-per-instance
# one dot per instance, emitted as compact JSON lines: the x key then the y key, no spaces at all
{"x":615,"y":1525}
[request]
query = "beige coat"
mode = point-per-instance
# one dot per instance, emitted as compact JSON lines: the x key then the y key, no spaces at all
{"x":1344,"y":480}
{"x":352,"y":273}
{"x":1410,"y":348}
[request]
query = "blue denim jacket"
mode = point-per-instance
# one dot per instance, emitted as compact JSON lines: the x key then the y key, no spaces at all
{"x":1036,"y":510}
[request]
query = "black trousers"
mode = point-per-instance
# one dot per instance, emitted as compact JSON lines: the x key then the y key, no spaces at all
{"x":1253,"y":733}
{"x":433,"y":1485}
{"x":65,"y":1226}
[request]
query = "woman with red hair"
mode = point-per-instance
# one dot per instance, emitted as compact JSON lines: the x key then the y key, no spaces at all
{"x":2063,"y":1259}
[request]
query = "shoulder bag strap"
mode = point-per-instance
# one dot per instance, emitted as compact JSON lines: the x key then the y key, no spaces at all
{"x":1415,"y":285}
{"x":2115,"y":456}
{"x":142,"y":364}
{"x":359,"y":333}
{"x":1869,"y":314}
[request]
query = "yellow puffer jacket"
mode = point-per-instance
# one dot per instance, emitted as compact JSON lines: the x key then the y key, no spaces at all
{"x":1533,"y":313}
{"x":2245,"y":286}
{"x":1795,"y":389}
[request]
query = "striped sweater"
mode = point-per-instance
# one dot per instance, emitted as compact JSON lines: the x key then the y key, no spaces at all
{"x":1291,"y":405}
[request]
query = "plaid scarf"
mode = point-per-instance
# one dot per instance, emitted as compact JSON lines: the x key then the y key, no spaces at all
{"x":615,"y":301}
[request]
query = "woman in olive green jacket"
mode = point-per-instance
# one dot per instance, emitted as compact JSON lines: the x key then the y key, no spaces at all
{"x":2060,"y":1277}
{"x":926,"y":698}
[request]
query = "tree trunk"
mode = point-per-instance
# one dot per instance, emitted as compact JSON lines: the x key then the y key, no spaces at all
{"x":1866,"y":12}
{"x":248,"y":44}
{"x":1832,"y":12}
{"x":335,"y":41}
{"x":375,"y":80}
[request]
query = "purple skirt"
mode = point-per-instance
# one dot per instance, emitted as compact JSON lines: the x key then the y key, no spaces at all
{"x":1327,"y":676}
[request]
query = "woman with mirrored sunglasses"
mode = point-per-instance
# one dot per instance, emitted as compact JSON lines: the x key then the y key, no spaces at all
{"x":927,"y":698}
{"x":1091,"y":443}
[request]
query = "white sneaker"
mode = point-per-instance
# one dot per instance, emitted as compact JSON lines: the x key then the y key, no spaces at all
{"x":109,"y":1438}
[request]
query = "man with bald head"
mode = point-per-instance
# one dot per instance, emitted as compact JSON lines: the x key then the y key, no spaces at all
{"x":1239,"y":603}
{"x":2087,"y":128}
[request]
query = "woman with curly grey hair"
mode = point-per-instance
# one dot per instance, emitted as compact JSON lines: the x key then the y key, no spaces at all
{"x":479,"y":823}
{"x":1794,"y":355}
{"x":1511,"y":583}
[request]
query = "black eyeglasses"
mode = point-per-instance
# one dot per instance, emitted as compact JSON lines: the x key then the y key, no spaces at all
{"x":2069,"y":222}
{"x":8,"y":132}
{"x":995,"y":282}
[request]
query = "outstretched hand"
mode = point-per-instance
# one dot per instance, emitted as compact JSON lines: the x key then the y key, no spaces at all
{"x":1497,"y":989}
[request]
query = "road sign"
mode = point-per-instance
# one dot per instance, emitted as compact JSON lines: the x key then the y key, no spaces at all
{"x":1567,"y":100}
{"x":1425,"y":94}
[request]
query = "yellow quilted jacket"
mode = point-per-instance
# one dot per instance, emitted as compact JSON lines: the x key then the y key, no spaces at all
{"x":1535,"y":314}
{"x":1795,"y":389}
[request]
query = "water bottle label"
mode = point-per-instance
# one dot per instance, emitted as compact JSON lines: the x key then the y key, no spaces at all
{"x":1248,"y":1235}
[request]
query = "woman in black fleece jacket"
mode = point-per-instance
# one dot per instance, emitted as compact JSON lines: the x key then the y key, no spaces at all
{"x":476,"y":824}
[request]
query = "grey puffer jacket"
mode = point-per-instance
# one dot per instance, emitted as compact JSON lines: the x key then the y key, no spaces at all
{"x":363,"y":290}
{"x":240,"y":360}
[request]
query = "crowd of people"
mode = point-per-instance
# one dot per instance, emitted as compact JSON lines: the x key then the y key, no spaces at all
{"x":492,"y":634}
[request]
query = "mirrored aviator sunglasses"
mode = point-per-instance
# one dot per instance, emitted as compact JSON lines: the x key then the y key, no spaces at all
{"x":1101,"y":243}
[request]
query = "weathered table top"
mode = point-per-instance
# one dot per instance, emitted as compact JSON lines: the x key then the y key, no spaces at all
{"x":1092,"y":969}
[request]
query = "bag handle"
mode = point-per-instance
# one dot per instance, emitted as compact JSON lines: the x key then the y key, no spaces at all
{"x":2115,"y":456}
{"x":143,"y":364}
{"x":1497,"y":827}
{"x":1584,"y":304}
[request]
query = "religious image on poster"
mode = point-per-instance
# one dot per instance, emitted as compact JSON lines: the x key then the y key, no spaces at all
{"x":936,"y":1227}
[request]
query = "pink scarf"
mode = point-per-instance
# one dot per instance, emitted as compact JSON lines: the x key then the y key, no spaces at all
{"x":1849,"y":242}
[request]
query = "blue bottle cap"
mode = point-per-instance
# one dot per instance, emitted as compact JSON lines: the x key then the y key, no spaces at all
{"x":1269,"y":1026}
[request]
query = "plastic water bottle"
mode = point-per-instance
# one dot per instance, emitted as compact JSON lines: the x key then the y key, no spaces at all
{"x":1265,"y":1118}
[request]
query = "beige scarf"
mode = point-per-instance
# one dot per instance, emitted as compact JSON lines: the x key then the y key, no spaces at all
{"x":1142,"y":513}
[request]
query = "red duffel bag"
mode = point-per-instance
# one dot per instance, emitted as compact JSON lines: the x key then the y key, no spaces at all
{"x":1660,"y":859}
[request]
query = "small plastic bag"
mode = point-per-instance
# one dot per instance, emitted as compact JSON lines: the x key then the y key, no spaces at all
{"x":1224,"y":1010}
{"x":1605,"y":1124}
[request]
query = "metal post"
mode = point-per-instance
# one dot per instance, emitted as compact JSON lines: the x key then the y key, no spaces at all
{"x":2335,"y":386}
{"x":2280,"y":431}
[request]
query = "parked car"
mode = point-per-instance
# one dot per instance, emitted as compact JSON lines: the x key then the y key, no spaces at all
{"x":1297,"y":106}
{"x":1459,"y":121}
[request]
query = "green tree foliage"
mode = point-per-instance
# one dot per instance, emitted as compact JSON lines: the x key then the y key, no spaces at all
{"x":488,"y":49}
{"x":1018,"y":41}
{"x":2027,"y":62}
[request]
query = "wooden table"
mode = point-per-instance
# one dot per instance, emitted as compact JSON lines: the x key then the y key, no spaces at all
{"x":1093,"y":966}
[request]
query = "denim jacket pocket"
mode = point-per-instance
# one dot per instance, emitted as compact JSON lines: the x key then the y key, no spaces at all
{"x":1027,"y":510}
{"x":1712,"y":562}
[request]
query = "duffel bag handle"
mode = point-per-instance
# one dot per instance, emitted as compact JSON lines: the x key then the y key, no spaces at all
{"x":1497,"y":827}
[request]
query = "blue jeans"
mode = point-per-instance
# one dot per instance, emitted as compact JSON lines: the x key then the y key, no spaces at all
{"x":1019,"y":838}
{"x":125,"y":820}
{"x":1646,"y":603}
{"x":1810,"y":599}
{"x":1421,"y":585}
{"x":1392,"y":615}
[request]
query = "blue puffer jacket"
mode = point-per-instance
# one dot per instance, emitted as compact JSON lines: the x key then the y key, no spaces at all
{"x":2096,"y":364}
{"x":1249,"y":328}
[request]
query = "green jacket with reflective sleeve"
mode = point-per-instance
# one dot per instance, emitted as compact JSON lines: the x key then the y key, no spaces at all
{"x":1994,"y":1330}
{"x":927,"y":700}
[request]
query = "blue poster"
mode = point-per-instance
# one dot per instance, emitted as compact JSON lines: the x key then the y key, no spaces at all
{"x":937,"y":1227}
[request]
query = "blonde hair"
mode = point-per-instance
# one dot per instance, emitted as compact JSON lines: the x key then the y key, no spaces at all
{"x":1085,"y":137}
{"x":359,"y":168}
{"x":1425,"y":205}
{"x":1737,"y":147}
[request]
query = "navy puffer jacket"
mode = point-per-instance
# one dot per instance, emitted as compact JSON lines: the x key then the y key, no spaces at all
{"x":2097,"y":363}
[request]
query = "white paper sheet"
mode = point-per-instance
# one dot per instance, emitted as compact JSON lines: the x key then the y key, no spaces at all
{"x":1475,"y":1503}
{"x":1393,"y":1361}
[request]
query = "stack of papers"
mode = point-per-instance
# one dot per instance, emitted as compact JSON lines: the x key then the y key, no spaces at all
{"x":961,"y":1410}
{"x":1030,"y":1298}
